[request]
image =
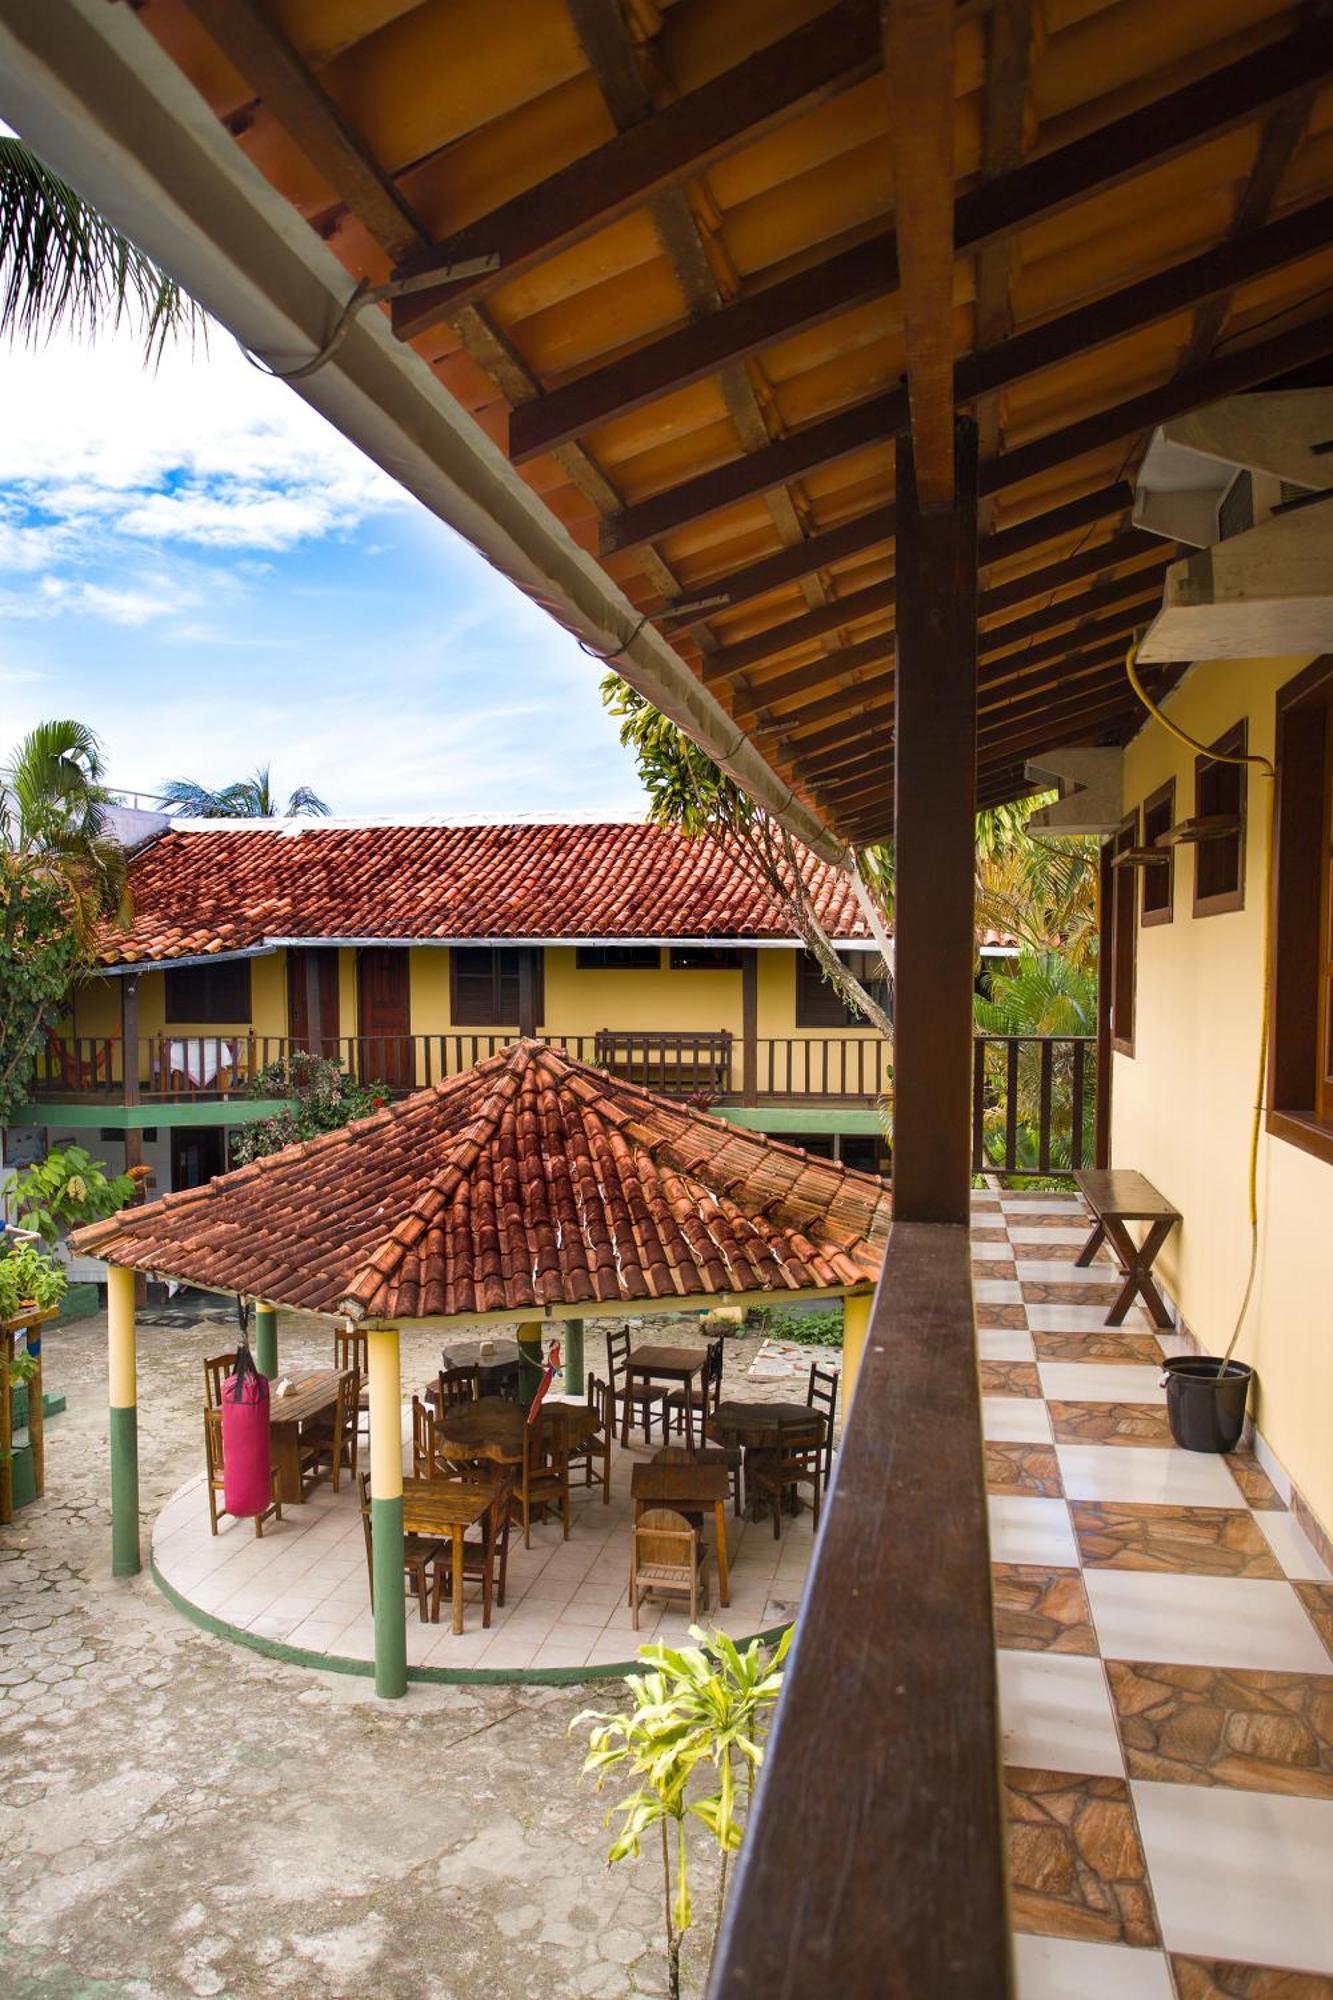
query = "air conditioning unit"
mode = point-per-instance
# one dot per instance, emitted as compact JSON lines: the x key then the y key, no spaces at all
{"x":1089,"y":783}
{"x":1249,"y":483}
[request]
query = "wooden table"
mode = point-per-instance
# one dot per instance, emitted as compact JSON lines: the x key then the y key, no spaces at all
{"x":754,"y":1426}
{"x":437,"y":1508}
{"x":663,"y":1364}
{"x":492,"y":1429}
{"x":1117,"y":1195}
{"x":502,"y":1360}
{"x":689,"y":1489}
{"x":311,"y":1397}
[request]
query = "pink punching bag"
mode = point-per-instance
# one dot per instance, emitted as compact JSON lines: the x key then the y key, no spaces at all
{"x":246,"y":1467}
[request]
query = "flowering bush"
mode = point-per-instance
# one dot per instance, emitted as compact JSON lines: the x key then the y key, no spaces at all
{"x":322,"y":1097}
{"x":65,"y":1189}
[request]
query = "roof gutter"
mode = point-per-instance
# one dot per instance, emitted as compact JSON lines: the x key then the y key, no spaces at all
{"x":93,"y":93}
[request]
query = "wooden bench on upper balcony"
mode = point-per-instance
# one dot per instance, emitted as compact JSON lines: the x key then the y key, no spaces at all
{"x":1117,"y":1196}
{"x":679,"y":1065}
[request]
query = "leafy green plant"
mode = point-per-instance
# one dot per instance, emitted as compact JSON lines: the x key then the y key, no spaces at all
{"x":701,"y":1713}
{"x":323,"y":1098}
{"x":1045,"y":993}
{"x":27,"y":1275}
{"x":66,"y":1188}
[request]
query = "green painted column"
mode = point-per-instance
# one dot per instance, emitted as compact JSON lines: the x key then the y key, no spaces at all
{"x":576,"y":1379}
{"x":386,"y":1511}
{"x":124,"y":1421}
{"x":266,"y":1339}
{"x":530,"y":1363}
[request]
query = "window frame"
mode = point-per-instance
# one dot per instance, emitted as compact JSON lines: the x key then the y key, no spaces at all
{"x":705,"y":958}
{"x":1124,"y":897}
{"x":808,"y":969}
{"x":617,"y":958}
{"x":210,"y":1014}
{"x":1299,"y":1105}
{"x":1163,"y":801}
{"x":1233,"y":742}
{"x":458,"y":1019}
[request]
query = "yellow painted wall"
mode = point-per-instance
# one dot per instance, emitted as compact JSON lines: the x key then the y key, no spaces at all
{"x":1182,"y":1104}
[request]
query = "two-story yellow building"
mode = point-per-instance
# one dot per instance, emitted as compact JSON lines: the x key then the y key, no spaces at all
{"x":407,"y":952}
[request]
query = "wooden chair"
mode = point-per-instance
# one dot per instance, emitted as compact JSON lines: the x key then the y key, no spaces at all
{"x":794,"y":1459}
{"x":544,"y":1477}
{"x":703,"y":1400}
{"x":425,"y":1562}
{"x":331,"y":1442}
{"x":668,"y":1558}
{"x":459,"y":1385}
{"x":487,"y":1560}
{"x":594,"y":1454}
{"x":215,"y":1481}
{"x":351,"y":1350}
{"x":216,"y":1371}
{"x":644,"y":1396}
{"x":821,"y":1393}
{"x":427,"y":1462}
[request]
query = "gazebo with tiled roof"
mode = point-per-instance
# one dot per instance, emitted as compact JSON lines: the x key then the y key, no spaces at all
{"x":530,"y":1188}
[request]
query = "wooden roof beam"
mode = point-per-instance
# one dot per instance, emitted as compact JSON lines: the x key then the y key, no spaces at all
{"x":987,"y":216}
{"x":867,"y":531}
{"x":828,"y":55}
{"x":1054,"y":342}
{"x":919,"y":70}
{"x":730,"y":661}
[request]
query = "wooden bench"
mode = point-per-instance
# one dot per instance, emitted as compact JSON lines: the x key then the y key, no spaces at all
{"x":675,"y":1064}
{"x":1116,"y":1196}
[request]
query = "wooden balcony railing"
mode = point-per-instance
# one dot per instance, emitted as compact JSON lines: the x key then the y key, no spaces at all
{"x":1033,"y":1103}
{"x":874,"y":1863}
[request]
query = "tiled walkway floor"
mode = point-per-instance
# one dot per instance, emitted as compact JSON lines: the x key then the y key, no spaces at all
{"x":1165,"y":1691}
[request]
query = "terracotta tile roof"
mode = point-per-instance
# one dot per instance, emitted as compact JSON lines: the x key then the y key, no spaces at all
{"x":529,"y":1180}
{"x":196,"y":892}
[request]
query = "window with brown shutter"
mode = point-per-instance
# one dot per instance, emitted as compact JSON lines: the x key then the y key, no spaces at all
{"x":1300,"y":1089}
{"x":1124,"y":937}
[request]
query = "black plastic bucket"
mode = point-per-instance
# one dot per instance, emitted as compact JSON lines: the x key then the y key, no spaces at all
{"x":1206,"y":1411}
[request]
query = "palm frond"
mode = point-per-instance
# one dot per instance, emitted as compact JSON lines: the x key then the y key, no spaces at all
{"x":63,"y":264}
{"x":304,"y":800}
{"x":189,"y":800}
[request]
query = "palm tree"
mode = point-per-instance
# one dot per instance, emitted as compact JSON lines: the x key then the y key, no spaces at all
{"x":248,"y":798}
{"x":63,"y":264}
{"x":54,"y":818}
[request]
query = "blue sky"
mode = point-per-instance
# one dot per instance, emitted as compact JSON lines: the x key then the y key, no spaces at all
{"x":198,"y":566}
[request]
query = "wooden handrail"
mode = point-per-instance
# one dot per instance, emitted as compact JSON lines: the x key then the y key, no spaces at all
{"x":874,"y":1865}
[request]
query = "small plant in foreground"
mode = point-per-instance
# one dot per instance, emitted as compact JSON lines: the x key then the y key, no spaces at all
{"x":26,"y":1275}
{"x":701,"y":1713}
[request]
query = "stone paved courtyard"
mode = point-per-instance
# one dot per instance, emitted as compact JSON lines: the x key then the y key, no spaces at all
{"x":180,"y":1816}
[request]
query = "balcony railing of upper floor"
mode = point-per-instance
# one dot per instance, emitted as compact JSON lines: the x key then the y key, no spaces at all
{"x":1033,"y":1095}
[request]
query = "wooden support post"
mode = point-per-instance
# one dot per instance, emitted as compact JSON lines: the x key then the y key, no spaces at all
{"x":36,"y":1412}
{"x":131,"y":1094}
{"x":750,"y":1027}
{"x":527,"y":992}
{"x":6,"y":1426}
{"x":124,"y":1421}
{"x":1101,"y":1126}
{"x":576,"y":1379}
{"x":934,"y":812}
{"x":266,"y":1339}
{"x":386,"y":1511}
{"x":855,"y":1324}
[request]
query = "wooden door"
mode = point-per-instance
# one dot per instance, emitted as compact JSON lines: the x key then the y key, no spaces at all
{"x":312,"y":1000}
{"x":198,"y":1154}
{"x":384,"y":1041}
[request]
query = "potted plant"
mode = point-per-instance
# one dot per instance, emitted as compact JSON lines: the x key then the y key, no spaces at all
{"x":28,"y":1279}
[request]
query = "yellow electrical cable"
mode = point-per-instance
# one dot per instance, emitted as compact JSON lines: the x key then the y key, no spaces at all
{"x":1269,"y":771}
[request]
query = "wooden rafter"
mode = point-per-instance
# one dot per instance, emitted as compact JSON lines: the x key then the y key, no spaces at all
{"x":919,"y":71}
{"x":1051,"y":344}
{"x":987,"y":216}
{"x":1009,"y":30}
{"x":789,"y":77}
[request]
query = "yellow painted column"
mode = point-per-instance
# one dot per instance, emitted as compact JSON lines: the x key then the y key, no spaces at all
{"x":530,"y":1362}
{"x":123,"y":1397}
{"x":386,"y":1510}
{"x":855,"y":1324}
